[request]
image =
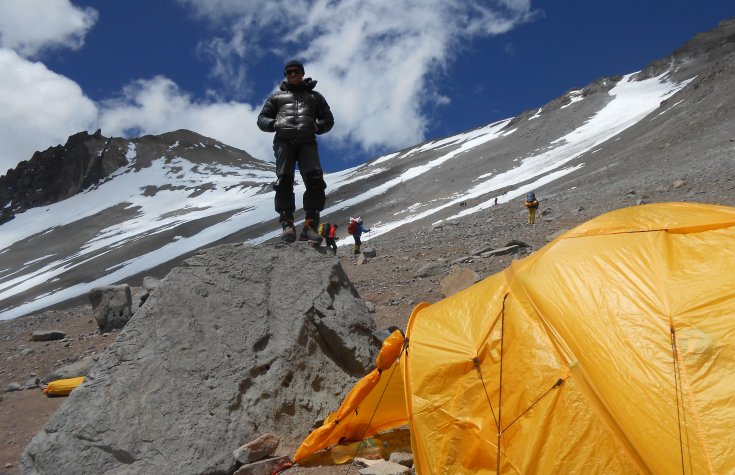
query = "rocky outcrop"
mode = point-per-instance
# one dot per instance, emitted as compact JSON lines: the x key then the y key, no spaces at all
{"x":112,"y":306}
{"x":237,"y":342}
{"x":60,"y":172}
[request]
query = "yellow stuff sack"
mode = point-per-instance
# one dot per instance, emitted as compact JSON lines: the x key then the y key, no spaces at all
{"x":62,"y":387}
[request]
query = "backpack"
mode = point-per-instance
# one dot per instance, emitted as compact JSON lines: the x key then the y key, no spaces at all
{"x":352,"y":227}
{"x":323,"y":229}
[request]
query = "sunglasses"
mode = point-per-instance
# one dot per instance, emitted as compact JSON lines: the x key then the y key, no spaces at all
{"x":293,"y":72}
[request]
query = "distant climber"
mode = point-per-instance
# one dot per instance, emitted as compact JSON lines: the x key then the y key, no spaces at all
{"x":323,"y":230}
{"x":532,"y":205}
{"x":331,"y":236}
{"x":356,"y":228}
{"x":297,"y":114}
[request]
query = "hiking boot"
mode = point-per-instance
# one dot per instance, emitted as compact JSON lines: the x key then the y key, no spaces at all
{"x":309,"y":234}
{"x":289,"y":231}
{"x":357,"y":249}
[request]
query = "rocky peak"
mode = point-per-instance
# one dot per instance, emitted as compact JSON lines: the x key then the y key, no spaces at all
{"x":58,"y":173}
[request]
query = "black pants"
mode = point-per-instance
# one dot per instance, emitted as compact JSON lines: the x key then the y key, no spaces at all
{"x":333,"y":244}
{"x":306,"y":154}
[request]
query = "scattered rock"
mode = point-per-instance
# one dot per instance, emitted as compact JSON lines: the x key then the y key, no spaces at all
{"x":77,"y":368}
{"x":47,"y":335}
{"x":402,"y":458}
{"x":430,"y":269}
{"x":112,"y":306}
{"x":138,"y":296}
{"x":263,"y":467}
{"x":258,"y":449}
{"x":365,"y":462}
{"x":457,"y":280}
{"x":369,"y":252}
{"x":481,"y":250}
{"x":385,"y":468}
{"x":151,"y":283}
{"x":501,"y":251}
{"x":461,"y":260}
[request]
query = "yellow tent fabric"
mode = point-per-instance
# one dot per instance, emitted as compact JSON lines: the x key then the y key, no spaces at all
{"x":610,"y":350}
{"x":62,"y":387}
{"x":375,"y":403}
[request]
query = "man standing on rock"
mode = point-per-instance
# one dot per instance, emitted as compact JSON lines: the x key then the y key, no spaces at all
{"x":297,"y":114}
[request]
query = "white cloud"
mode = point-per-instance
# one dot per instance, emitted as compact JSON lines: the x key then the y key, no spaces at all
{"x":158,"y":105}
{"x":29,"y":26}
{"x":378,"y":63}
{"x":38,"y":109}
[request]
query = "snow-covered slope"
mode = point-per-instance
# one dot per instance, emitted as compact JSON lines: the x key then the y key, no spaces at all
{"x":169,"y":195}
{"x":146,"y":216}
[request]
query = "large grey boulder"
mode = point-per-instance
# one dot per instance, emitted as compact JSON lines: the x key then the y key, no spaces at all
{"x":111,"y":306}
{"x":72,"y":370}
{"x":239,"y":341}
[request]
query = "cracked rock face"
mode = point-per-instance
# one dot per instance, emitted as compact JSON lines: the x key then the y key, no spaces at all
{"x":237,"y":342}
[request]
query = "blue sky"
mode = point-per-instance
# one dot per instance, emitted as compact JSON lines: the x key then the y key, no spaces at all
{"x":396,"y":72}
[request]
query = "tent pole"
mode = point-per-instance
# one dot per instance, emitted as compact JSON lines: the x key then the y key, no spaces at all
{"x":500,"y":381}
{"x":679,"y":400}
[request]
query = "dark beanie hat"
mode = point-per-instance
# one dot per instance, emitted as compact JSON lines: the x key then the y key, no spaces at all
{"x":293,"y":63}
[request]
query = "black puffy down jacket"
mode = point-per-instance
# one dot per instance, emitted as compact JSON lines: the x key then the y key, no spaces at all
{"x":296,"y":113}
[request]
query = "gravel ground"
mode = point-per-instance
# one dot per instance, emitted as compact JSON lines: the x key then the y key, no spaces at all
{"x":387,"y":280}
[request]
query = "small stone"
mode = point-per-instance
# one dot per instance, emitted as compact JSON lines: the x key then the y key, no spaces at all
{"x":430,"y":269}
{"x":258,"y":449}
{"x":47,"y":335}
{"x":263,"y":467}
{"x":369,"y":252}
{"x":364,"y":462}
{"x":385,"y":468}
{"x":402,"y":458}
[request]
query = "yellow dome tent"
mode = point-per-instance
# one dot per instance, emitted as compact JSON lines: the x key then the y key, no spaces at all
{"x":610,"y":350}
